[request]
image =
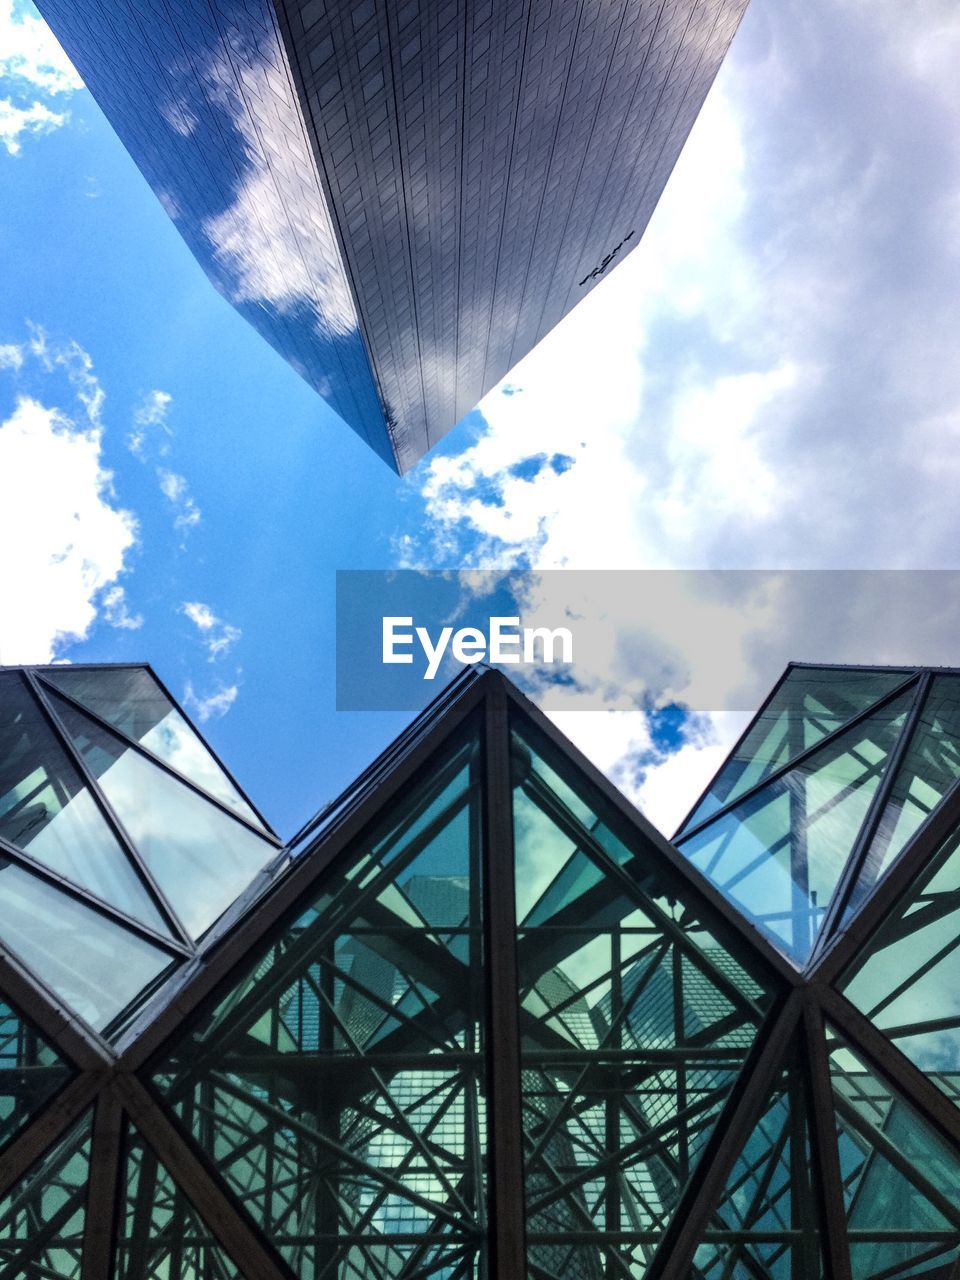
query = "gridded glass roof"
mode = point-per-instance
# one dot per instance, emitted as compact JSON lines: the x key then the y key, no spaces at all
{"x":489,"y":1023}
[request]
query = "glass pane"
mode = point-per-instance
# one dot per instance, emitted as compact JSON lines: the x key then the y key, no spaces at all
{"x":201,"y":858}
{"x":46,"y":810}
{"x":929,"y":769}
{"x":95,"y":965}
{"x":131,"y":700}
{"x":908,"y":980}
{"x":634,"y":1025}
{"x":900,"y":1180}
{"x":779,"y":854}
{"x":42,"y":1219}
{"x":766,"y":1225}
{"x":811,"y":703}
{"x":31,"y":1071}
{"x":339,"y":1087}
{"x":161,"y":1236}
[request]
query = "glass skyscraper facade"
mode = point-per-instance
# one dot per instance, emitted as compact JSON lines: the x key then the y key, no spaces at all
{"x":402,"y":198}
{"x":479,"y":1019}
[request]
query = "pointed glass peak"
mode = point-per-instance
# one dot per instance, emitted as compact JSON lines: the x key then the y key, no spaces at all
{"x":779,"y":854}
{"x":899,"y":1178}
{"x":47,"y":810}
{"x":42,"y":1218}
{"x":201,"y":858}
{"x":810,"y":704}
{"x":31,"y":1071}
{"x":130,"y":699}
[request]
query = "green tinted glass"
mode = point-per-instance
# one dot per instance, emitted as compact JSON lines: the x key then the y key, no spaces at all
{"x":908,"y":979}
{"x":929,"y":769}
{"x":809,"y":705}
{"x":31,"y":1072}
{"x":131,"y":700}
{"x":767,"y":1222}
{"x":634,"y":1025}
{"x":339,"y":1087}
{"x":201,"y":858}
{"x":48,"y":812}
{"x":93,"y":963}
{"x":900,"y":1180}
{"x":779,"y":854}
{"x":42,"y":1219}
{"x":160,"y":1235}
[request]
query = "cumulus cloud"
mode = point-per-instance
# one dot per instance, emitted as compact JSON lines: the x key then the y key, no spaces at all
{"x":65,"y":539}
{"x":211,"y":706}
{"x":218,"y":636}
{"x":769,"y":379}
{"x":116,"y":610}
{"x":34,"y":73}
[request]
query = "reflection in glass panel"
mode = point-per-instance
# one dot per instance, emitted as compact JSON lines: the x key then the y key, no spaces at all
{"x":131,"y":700}
{"x":199,"y":856}
{"x":766,"y":1225}
{"x":810,"y":704}
{"x":634,"y":1025}
{"x":908,"y":980}
{"x":46,"y":810}
{"x":779,"y":854}
{"x":31,"y":1072}
{"x":339,"y":1086}
{"x":899,"y":1179}
{"x":929,"y":769}
{"x":161,"y":1236}
{"x":95,"y":965}
{"x":42,"y":1219}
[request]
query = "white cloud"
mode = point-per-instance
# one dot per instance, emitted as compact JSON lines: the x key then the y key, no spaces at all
{"x":30,"y":53}
{"x":116,"y":611}
{"x":65,"y":540}
{"x":218,"y":636}
{"x":34,"y":74}
{"x":151,"y":436}
{"x":15,"y":122}
{"x":11,"y":356}
{"x":149,"y":416}
{"x":213,"y":705}
{"x":769,"y":379}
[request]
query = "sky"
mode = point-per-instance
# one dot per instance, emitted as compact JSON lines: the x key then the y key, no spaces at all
{"x":768,"y":381}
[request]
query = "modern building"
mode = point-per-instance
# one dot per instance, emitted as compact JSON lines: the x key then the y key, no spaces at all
{"x":402,"y":197}
{"x":479,"y":1019}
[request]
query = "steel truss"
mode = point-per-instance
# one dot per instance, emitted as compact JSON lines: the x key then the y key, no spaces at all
{"x":363,"y":1075}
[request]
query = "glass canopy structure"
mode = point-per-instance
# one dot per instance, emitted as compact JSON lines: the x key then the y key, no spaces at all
{"x":479,"y":1019}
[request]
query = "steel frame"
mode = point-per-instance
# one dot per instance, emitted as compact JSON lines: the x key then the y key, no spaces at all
{"x":113,"y":1078}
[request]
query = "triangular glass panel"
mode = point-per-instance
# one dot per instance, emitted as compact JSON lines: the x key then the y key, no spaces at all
{"x":31,"y":1071}
{"x":929,"y":769}
{"x":94,"y":964}
{"x":160,"y":1234}
{"x":201,"y":858}
{"x":43,"y":1217}
{"x":338,"y":1088}
{"x":766,"y":1226}
{"x":899,"y":1178}
{"x":811,"y":703}
{"x":779,"y":854}
{"x":635,"y":1022}
{"x":130,"y":699}
{"x":907,"y":980}
{"x":47,"y":811}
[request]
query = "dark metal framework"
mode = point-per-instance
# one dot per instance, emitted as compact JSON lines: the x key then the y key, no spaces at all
{"x":481,"y":1019}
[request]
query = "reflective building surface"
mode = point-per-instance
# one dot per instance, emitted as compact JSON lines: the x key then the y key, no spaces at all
{"x":479,"y":1019}
{"x":403,"y":198}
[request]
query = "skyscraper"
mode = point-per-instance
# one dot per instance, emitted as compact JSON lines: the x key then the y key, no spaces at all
{"x":403,"y":198}
{"x":480,"y":1021}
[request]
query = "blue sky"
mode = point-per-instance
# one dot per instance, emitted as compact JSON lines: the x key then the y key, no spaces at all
{"x":768,"y":380}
